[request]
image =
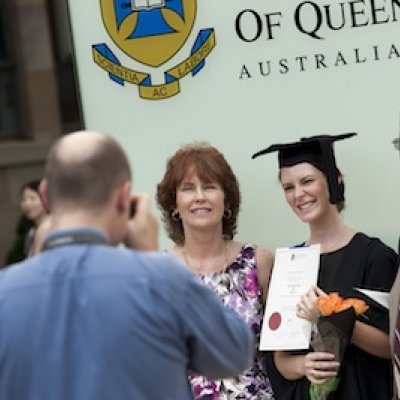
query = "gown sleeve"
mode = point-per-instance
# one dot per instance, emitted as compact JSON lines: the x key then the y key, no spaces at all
{"x":381,"y":265}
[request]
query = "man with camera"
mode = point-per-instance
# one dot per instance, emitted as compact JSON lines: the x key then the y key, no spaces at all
{"x":85,"y":320}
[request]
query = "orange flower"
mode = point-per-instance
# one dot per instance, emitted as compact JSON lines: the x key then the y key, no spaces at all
{"x":333,"y":303}
{"x":359,"y":305}
{"x":327,"y":305}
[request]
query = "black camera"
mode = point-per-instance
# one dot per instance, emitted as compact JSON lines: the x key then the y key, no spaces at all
{"x":132,"y":210}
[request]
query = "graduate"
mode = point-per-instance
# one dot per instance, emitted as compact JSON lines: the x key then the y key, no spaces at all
{"x":314,"y":189}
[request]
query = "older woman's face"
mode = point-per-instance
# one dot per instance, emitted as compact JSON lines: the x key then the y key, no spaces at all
{"x":306,"y":191}
{"x":199,"y":203}
{"x":31,"y":205}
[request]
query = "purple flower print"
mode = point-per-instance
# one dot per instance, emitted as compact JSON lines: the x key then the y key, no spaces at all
{"x":251,"y":283}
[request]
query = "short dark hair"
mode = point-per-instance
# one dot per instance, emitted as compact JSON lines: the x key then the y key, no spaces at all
{"x":33,"y":185}
{"x":210,"y":166}
{"x":86,"y":180}
{"x":340,"y":205}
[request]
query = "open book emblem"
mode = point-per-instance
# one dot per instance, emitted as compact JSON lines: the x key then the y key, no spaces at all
{"x":149,"y":31}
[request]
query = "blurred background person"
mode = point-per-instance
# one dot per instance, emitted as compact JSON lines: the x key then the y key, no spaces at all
{"x":200,"y":199}
{"x":314,"y":189}
{"x":33,"y":214}
{"x":42,"y":231}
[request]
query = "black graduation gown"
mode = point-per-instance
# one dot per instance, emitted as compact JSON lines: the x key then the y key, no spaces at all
{"x":364,"y":263}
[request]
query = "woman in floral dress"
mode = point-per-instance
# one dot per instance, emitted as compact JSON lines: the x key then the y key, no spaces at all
{"x":199,"y":198}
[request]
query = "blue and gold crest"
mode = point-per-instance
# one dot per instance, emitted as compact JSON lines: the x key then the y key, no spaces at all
{"x":151,"y":32}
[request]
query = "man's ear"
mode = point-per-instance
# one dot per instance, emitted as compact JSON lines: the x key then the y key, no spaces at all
{"x":123,"y":197}
{"x":44,"y":194}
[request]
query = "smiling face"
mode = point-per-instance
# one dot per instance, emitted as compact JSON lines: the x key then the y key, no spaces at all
{"x":306,"y":191}
{"x":208,"y":165}
{"x":200,"y":204}
{"x":31,"y":205}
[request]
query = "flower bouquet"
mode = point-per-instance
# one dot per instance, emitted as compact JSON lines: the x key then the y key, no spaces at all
{"x":334,"y":328}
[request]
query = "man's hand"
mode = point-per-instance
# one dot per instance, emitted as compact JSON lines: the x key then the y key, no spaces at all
{"x":142,"y":232}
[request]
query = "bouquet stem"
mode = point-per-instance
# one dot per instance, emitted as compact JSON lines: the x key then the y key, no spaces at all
{"x":321,"y":392}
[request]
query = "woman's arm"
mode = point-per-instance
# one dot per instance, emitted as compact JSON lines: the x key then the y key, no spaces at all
{"x":264,"y":262}
{"x":368,"y":338}
{"x":290,"y":366}
{"x":371,"y":339}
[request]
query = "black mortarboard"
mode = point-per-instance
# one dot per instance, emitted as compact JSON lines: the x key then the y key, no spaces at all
{"x":316,"y":150}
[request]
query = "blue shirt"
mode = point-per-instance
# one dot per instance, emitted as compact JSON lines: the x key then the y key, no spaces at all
{"x":93,"y":322}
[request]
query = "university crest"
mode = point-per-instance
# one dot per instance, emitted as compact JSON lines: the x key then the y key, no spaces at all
{"x":152,"y":32}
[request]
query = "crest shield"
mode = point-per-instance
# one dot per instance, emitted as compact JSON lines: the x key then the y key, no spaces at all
{"x":149,"y":31}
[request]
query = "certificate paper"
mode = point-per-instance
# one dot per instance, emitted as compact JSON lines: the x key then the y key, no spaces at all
{"x":295,"y":271}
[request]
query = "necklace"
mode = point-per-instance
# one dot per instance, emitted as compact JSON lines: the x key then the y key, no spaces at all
{"x":213,"y":268}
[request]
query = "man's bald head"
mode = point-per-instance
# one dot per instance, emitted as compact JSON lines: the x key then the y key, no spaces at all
{"x":82,"y":170}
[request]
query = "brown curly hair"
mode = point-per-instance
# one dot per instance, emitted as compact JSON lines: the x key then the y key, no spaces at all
{"x":210,"y":166}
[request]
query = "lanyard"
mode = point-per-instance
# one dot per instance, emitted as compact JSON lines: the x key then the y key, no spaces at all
{"x":74,"y":238}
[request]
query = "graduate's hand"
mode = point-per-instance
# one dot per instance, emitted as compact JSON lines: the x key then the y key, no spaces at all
{"x":320,"y":367}
{"x":142,"y":231}
{"x":307,"y":306}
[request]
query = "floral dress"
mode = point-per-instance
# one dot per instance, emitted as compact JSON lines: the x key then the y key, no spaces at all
{"x":238,"y":288}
